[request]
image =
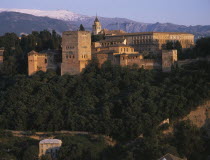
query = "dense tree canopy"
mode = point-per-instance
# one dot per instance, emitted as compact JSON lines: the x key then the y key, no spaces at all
{"x":175,"y":45}
{"x":17,"y":148}
{"x":118,"y":101}
{"x":16,"y":49}
{"x":201,"y":49}
{"x":96,"y":38}
{"x":82,"y":147}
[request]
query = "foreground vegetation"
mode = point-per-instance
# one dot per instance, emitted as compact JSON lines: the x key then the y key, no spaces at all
{"x":119,"y":102}
{"x":186,"y":141}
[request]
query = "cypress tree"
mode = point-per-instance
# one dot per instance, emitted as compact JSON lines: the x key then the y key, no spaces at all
{"x":81,"y":28}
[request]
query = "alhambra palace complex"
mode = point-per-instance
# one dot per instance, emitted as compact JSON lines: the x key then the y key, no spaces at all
{"x":119,"y":47}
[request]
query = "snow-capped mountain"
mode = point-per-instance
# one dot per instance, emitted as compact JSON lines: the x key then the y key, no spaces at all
{"x":28,"y":20}
{"x":64,"y":15}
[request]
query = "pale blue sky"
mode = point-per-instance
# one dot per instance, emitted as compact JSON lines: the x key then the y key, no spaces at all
{"x":187,"y":12}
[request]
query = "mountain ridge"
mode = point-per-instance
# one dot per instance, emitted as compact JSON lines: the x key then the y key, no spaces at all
{"x":55,"y":14}
{"x":62,"y":20}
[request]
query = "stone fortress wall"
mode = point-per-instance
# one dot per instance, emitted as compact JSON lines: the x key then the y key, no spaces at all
{"x":125,"y":49}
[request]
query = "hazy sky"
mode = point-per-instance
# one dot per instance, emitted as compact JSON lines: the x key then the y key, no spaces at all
{"x":187,"y":12}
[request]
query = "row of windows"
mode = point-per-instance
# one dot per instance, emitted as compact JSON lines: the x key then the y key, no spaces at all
{"x":180,"y":37}
{"x":72,"y":56}
{"x":142,"y":41}
{"x":110,"y":43}
{"x":126,"y":50}
{"x":84,"y":56}
{"x":40,"y":55}
{"x":69,"y":47}
{"x":69,"y":56}
{"x":142,"y":37}
{"x":160,"y":41}
{"x":51,"y":60}
{"x":134,"y":57}
{"x":45,"y":61}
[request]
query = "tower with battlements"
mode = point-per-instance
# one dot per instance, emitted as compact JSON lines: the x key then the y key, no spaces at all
{"x":43,"y":61}
{"x":76,"y":51}
{"x":169,"y":58}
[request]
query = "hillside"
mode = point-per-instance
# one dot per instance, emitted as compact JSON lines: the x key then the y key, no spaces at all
{"x":25,"y":21}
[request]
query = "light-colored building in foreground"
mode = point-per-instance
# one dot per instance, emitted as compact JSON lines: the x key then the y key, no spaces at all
{"x":169,"y":156}
{"x":1,"y":55}
{"x":49,"y":146}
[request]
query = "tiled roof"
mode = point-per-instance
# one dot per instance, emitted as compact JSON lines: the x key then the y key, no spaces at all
{"x":170,"y":157}
{"x":46,"y":141}
{"x":107,"y":32}
{"x":45,"y":52}
{"x":33,"y":52}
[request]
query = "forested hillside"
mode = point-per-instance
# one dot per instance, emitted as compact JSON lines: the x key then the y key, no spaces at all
{"x":120,"y":102}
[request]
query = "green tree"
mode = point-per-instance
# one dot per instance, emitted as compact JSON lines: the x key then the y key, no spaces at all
{"x":31,"y":153}
{"x":202,"y":47}
{"x":95,"y":38}
{"x":169,"y":45}
{"x":81,"y":28}
{"x":188,"y":140}
{"x":175,"y":45}
{"x":46,"y":157}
